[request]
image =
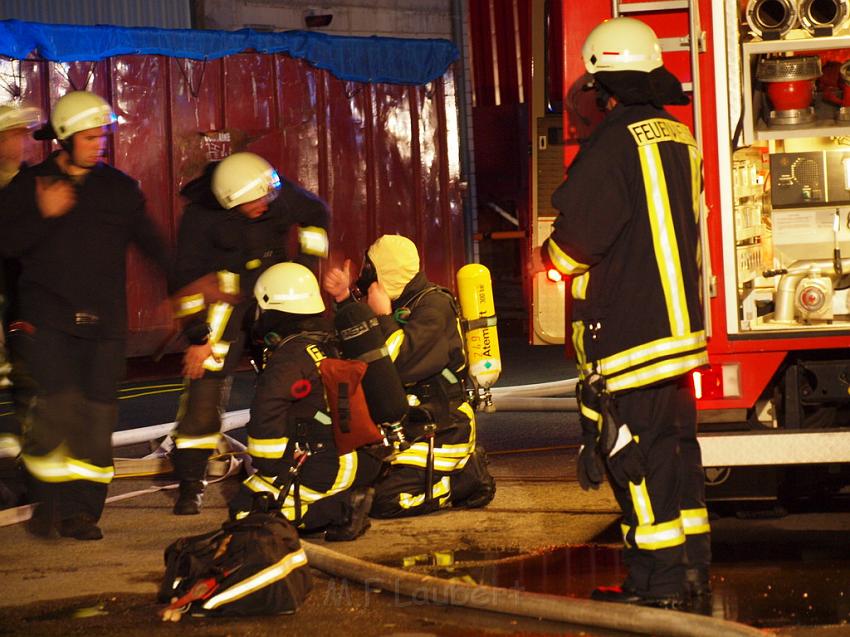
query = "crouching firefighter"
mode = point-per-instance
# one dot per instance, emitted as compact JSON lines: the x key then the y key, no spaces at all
{"x":290,"y":437}
{"x":442,"y":467}
{"x":632,"y":250}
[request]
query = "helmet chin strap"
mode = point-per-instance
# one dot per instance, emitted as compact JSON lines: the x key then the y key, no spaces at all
{"x":67,"y":145}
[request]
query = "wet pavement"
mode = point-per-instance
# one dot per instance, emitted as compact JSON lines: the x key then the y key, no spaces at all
{"x":790,"y":575}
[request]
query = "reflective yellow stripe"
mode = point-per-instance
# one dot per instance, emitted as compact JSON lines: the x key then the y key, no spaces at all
{"x":228,"y":282}
{"x":696,"y":180}
{"x":624,"y":529}
{"x":267,"y":447}
{"x":56,"y":467}
{"x":695,"y":521}
{"x":578,"y":345}
{"x":641,"y":503}
{"x":10,"y":446}
{"x":652,"y":537}
{"x":313,"y":240}
{"x":253,"y":264}
{"x":440,"y":492}
{"x":663,"y":370}
{"x":564,"y":262}
{"x":217,"y":317}
{"x":49,"y":468}
{"x":579,"y":286}
{"x":188,"y":305}
{"x":447,"y":458}
{"x":322,"y":418}
{"x":664,"y":239}
{"x":267,"y":576}
{"x":636,"y":356}
{"x":394,"y":343}
{"x":196,"y":442}
{"x":346,"y":472}
{"x":79,"y":470}
{"x":591,"y":414}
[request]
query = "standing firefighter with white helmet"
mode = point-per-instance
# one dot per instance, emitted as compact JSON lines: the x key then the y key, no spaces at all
{"x":632,"y":250}
{"x":70,"y":220}
{"x":290,"y":416}
{"x":16,"y":124}
{"x":235,"y":225}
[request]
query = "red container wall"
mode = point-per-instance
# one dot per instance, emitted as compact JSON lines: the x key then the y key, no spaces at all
{"x":384,"y":157}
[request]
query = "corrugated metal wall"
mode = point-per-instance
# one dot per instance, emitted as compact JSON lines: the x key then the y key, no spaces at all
{"x":385,"y":157}
{"x":167,"y":14}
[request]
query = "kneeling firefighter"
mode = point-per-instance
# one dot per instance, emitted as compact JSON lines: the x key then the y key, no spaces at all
{"x":290,"y":438}
{"x":442,"y":467}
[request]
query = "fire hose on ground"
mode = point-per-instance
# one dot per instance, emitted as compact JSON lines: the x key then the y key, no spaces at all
{"x":636,"y":619}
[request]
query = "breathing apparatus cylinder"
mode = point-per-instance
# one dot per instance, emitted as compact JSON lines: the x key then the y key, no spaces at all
{"x":475,"y":293}
{"x":361,"y":338}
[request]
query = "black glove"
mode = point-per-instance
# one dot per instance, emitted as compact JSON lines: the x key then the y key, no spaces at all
{"x":626,"y":460}
{"x":589,"y":467}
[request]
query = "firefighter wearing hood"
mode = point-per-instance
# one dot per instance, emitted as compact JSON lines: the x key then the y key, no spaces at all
{"x":632,"y":252}
{"x":423,"y":336}
{"x":235,"y":225}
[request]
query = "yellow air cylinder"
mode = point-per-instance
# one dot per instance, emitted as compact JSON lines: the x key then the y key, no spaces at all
{"x":475,"y":293}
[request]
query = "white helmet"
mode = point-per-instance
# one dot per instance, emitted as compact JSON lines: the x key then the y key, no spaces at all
{"x":244,"y":177}
{"x":289,"y":287}
{"x":621,"y":44}
{"x":13,"y":116}
{"x":78,"y":111}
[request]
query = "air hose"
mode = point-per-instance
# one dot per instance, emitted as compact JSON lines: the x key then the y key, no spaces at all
{"x":583,"y":612}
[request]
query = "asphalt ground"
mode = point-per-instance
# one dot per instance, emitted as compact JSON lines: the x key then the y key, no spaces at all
{"x":66,"y":587}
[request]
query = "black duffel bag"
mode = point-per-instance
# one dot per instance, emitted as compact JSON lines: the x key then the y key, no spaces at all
{"x":251,"y":566}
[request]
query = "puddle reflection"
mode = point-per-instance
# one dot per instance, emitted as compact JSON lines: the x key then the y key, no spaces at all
{"x":785,"y":586}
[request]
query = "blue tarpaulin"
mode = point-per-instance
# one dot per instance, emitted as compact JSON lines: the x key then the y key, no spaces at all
{"x":360,"y":59}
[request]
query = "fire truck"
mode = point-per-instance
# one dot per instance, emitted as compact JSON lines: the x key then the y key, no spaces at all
{"x":769,"y":82}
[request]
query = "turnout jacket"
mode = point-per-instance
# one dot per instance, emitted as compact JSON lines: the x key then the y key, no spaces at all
{"x":212,"y":239}
{"x":628,"y":235}
{"x":424,"y":340}
{"x":289,"y":406}
{"x":73,"y":267}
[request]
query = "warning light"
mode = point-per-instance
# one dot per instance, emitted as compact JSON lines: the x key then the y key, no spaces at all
{"x":553,"y":275}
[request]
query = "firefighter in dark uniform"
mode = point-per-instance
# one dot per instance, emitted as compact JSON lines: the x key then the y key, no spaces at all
{"x":290,"y":416}
{"x":424,"y":339}
{"x":70,"y":220}
{"x":632,"y":250}
{"x":16,"y":122}
{"x":235,"y":225}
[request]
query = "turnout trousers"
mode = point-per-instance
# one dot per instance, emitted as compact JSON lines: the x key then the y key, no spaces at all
{"x":665,"y":522}
{"x":459,"y":476}
{"x":202,"y":404}
{"x":67,"y":437}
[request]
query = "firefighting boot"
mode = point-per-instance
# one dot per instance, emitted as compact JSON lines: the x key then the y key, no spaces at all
{"x":190,"y":497}
{"x":474,"y":487}
{"x":80,"y":527}
{"x":626,"y":595}
{"x":358,"y":523}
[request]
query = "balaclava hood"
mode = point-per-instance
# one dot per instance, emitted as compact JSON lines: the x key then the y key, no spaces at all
{"x":396,"y":262}
{"x":658,"y":87}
